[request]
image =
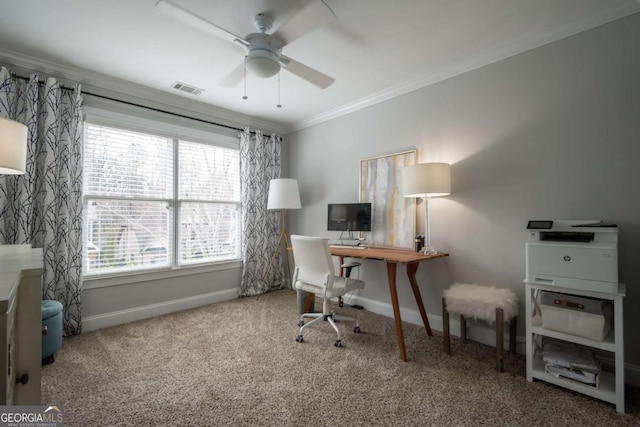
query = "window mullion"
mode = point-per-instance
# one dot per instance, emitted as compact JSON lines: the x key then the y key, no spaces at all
{"x":176,"y":201}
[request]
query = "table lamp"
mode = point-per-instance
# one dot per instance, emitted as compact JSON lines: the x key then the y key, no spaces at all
{"x":13,"y":147}
{"x":427,"y":180}
{"x":283,"y":194}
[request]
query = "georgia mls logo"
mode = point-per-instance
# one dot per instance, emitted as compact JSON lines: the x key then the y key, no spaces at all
{"x":55,"y":414}
{"x":31,"y":416}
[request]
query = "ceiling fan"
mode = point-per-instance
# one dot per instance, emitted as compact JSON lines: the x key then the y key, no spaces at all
{"x":264,"y":56}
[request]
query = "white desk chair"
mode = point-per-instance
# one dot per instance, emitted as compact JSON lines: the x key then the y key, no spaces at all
{"x":314,"y":272}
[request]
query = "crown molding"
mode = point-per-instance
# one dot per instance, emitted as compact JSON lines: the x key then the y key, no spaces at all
{"x":517,"y":46}
{"x":127,"y":91}
{"x":102,"y":84}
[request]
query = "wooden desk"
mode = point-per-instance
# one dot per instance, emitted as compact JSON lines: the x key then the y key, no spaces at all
{"x":393,"y":257}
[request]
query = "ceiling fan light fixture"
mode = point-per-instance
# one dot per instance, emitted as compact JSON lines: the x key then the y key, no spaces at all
{"x":262,"y":62}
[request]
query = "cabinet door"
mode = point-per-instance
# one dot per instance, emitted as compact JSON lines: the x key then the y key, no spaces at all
{"x":29,"y":337}
{"x":11,"y":354}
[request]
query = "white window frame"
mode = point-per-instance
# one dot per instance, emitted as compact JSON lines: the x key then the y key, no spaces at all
{"x":172,"y":129}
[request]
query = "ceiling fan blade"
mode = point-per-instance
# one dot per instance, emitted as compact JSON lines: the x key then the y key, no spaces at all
{"x":173,"y":10}
{"x":309,"y":74}
{"x":234,"y":77}
{"x":314,"y":15}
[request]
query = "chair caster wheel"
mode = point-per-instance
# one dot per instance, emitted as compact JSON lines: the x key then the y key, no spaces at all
{"x":299,"y":338}
{"x":338,"y":343}
{"x":356,"y":329}
{"x":301,"y":323}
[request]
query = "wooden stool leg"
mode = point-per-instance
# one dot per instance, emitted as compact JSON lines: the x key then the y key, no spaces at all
{"x":512,"y":334}
{"x":500,"y":338}
{"x":463,"y":328}
{"x":445,"y":327}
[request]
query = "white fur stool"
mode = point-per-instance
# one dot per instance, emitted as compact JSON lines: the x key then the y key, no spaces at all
{"x":486,"y":303}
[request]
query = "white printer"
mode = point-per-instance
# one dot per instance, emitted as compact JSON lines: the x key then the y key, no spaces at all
{"x":579,"y":254}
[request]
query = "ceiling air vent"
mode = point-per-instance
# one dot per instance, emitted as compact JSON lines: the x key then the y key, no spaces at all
{"x":187,"y":88}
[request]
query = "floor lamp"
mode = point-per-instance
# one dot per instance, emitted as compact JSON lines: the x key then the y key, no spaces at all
{"x":13,"y":147}
{"x":283,"y":195}
{"x":427,"y":180}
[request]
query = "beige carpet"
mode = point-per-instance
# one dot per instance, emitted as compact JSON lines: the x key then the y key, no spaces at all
{"x":237,"y":363}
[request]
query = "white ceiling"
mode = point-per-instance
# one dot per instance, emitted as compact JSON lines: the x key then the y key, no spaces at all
{"x":375,"y":49}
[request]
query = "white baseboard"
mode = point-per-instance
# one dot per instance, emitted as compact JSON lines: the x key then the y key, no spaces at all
{"x":632,"y":374}
{"x":106,"y":320}
{"x":476,"y":331}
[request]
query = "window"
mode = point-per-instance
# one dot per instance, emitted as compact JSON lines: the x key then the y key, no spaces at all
{"x":157,"y":202}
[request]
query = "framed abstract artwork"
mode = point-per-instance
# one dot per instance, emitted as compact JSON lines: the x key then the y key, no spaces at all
{"x":393,"y":215}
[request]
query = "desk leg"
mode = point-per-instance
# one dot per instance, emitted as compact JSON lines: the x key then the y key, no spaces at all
{"x":391,"y":275}
{"x":411,"y":272}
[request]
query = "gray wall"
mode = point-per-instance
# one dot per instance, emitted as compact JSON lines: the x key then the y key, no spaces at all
{"x":153,"y":294}
{"x":548,"y":134}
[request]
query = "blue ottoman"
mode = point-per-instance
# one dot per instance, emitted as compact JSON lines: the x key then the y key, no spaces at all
{"x":51,"y":329}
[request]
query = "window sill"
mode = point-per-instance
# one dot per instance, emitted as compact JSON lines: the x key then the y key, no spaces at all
{"x":126,"y":278}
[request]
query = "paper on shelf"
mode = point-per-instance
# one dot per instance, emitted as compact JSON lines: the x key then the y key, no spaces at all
{"x":584,"y":377}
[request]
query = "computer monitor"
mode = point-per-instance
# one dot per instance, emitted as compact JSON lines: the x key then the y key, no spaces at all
{"x":349,"y":217}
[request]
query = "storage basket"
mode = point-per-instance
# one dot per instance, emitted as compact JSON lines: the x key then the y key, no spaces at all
{"x":576,"y":315}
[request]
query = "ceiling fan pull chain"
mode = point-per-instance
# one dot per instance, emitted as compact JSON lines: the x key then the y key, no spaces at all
{"x":245,"y":78}
{"x":279,"y":105}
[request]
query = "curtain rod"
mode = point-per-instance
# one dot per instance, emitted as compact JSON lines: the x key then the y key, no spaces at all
{"x":158,"y":110}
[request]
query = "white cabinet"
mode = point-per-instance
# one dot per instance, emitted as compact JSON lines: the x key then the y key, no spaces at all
{"x":20,"y":324}
{"x":611,"y":384}
{"x":8,"y":348}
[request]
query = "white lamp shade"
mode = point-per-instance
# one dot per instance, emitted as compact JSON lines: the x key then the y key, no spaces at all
{"x":13,"y":147}
{"x":283,"y":194}
{"x":426,"y":180}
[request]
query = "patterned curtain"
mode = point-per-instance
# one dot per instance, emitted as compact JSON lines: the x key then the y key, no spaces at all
{"x":263,"y":269}
{"x":43,"y":207}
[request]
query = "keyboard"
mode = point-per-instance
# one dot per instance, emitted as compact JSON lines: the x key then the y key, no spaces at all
{"x":347,"y":246}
